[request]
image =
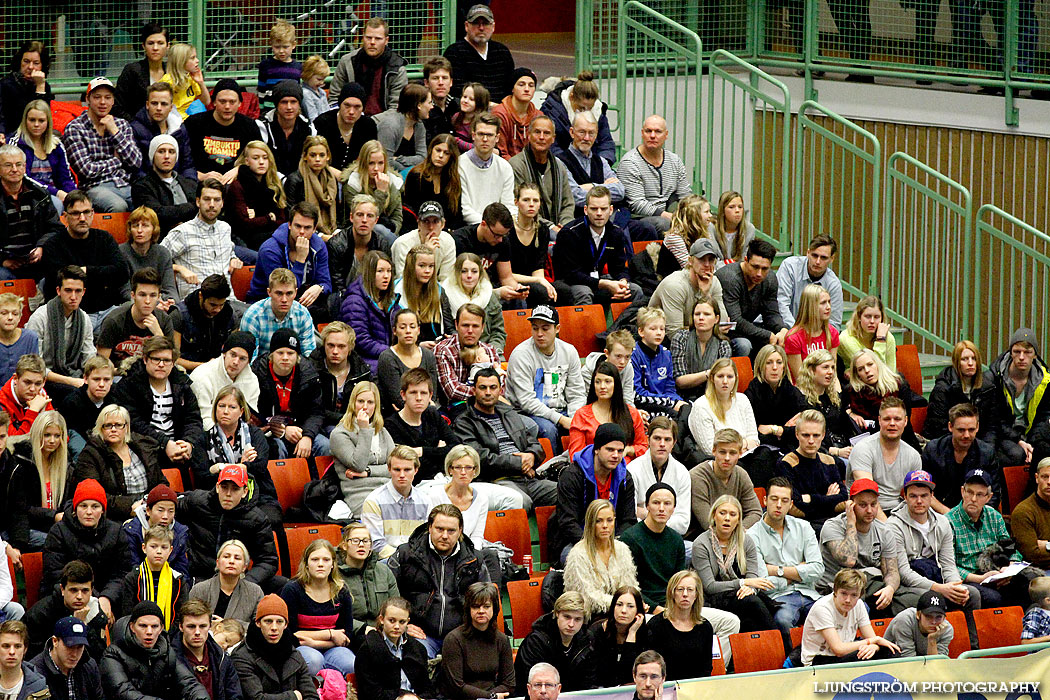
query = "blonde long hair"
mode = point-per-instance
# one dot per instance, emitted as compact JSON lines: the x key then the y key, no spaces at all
{"x":887,"y":382}
{"x":808,"y":318}
{"x":272,"y":178}
{"x":424,"y":299}
{"x":57,"y":463}
{"x":720,"y":226}
{"x":737,"y":537}
{"x":807,"y":383}
{"x":590,"y":521}
{"x":361,"y":166}
{"x":178,"y":56}
{"x":687,"y":220}
{"x":48,"y":142}
{"x":695,"y":613}
{"x":349,"y":420}
{"x":854,"y":328}
{"x":712,"y":394}
{"x":483,"y":288}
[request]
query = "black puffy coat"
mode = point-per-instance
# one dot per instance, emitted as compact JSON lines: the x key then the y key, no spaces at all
{"x":130,"y":671}
{"x":85,"y":676}
{"x":103,"y":547}
{"x":133,"y":393}
{"x":97,"y":461}
{"x":260,"y":680}
{"x":435,"y":585}
{"x":948,"y":391}
{"x":379,"y":672}
{"x":210,"y":526}
{"x":25,"y":510}
{"x":577,"y":664}
{"x":304,"y":408}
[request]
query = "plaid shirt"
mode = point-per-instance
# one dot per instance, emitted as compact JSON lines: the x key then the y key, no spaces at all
{"x":1036,"y":623}
{"x":261,"y":323}
{"x":97,"y":159}
{"x":452,"y":373}
{"x":972,"y":538}
{"x":202,"y":248}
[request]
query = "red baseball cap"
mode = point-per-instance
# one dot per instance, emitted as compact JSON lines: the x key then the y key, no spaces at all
{"x":235,"y":473}
{"x":862,"y":485}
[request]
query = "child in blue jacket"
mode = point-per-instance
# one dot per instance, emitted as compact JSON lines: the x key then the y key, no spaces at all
{"x":654,"y":387}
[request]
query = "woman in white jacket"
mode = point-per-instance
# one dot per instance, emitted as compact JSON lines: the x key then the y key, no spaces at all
{"x":599,"y":563}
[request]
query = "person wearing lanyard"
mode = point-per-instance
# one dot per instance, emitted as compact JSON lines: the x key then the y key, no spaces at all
{"x":602,"y":277}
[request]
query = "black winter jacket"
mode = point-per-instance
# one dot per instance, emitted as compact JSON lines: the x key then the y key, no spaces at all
{"x":305,"y":406}
{"x":471,"y":429}
{"x":210,"y":526}
{"x":575,"y":257}
{"x":576,"y":665}
{"x":132,"y":672}
{"x":433,"y":429}
{"x":202,"y":337}
{"x":333,"y":401}
{"x":948,"y":392}
{"x":25,"y":510}
{"x":148,"y":190}
{"x":103,"y":547}
{"x":85,"y":676}
{"x":97,"y":461}
{"x":45,"y":222}
{"x":41,"y":618}
{"x":379,"y":672}
{"x":261,"y":681}
{"x":226,"y":684}
{"x":134,"y":393}
{"x":435,"y":585}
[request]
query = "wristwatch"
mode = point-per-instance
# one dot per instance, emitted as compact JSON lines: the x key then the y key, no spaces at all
{"x":780,"y":571}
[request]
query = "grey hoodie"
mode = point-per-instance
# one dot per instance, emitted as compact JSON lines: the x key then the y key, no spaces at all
{"x":912,"y":543}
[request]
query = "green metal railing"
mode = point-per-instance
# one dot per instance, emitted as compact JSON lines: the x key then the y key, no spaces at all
{"x":928,"y":223}
{"x":1019,"y":298}
{"x":1007,"y":54}
{"x":837,"y":180}
{"x":98,"y":37}
{"x":748,"y":126}
{"x":664,"y":68}
{"x":999,"y":651}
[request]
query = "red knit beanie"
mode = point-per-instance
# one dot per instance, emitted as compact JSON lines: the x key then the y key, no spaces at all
{"x":271,"y":604}
{"x":89,"y":490}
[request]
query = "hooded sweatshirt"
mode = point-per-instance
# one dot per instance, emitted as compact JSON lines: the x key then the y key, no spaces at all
{"x":513,"y":130}
{"x":1025,"y":409}
{"x":912,"y":543}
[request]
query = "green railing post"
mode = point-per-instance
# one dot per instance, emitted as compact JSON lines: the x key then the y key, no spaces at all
{"x":832,"y":208}
{"x":196,"y":25}
{"x":924,"y":294}
{"x":1015,"y":275}
{"x":1010,"y":51}
{"x":767,"y":179}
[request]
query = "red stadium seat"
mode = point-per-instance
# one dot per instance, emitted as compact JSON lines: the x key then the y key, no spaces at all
{"x":757,"y":651}
{"x":516,"y":324}
{"x":617,"y":308}
{"x":300,"y":537}
{"x":908,"y":366}
{"x":174,"y":477}
{"x":116,"y":224}
{"x":323,"y":463}
{"x":998,"y":627}
{"x":511,"y":527}
{"x":761,"y":493}
{"x":543,"y":516}
{"x":1016,"y":479}
{"x":961,"y":641}
{"x":548,"y":451}
{"x":525,"y":605}
{"x":580,"y":325}
{"x":241,"y":280}
{"x":744,"y":373}
{"x":33,"y":573}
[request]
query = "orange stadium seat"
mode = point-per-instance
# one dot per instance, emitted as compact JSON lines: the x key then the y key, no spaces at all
{"x":289,"y":477}
{"x":757,"y":651}
{"x":174,"y":477}
{"x":300,"y":537}
{"x":241,"y":281}
{"x":998,"y":627}
{"x":516,"y":323}
{"x":525,"y":605}
{"x":580,"y":324}
{"x":116,"y":224}
{"x":744,"y":373}
{"x":543,"y":516}
{"x":961,"y":641}
{"x":23,"y":288}
{"x":511,"y":527}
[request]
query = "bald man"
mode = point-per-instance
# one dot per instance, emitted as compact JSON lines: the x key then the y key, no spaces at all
{"x":654,"y":179}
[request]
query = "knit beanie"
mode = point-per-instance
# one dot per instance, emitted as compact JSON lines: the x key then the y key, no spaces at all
{"x":287,"y":88}
{"x":159,"y":141}
{"x":352,"y":90}
{"x":240,"y":339}
{"x":227,"y":84}
{"x":89,"y":490}
{"x":1024,"y":335}
{"x":519,"y":72}
{"x":661,"y":486}
{"x":271,"y":604}
{"x":606,"y":433}
{"x":161,"y":492}
{"x":284,"y":338}
{"x":145,"y":607}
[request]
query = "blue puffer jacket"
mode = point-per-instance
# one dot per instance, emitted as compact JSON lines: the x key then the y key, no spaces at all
{"x":371,"y":324}
{"x":554,"y":107}
{"x":274,"y":254}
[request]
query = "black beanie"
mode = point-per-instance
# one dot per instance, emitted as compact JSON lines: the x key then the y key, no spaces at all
{"x":608,"y":432}
{"x":240,"y":339}
{"x":661,"y":486}
{"x":352,"y":90}
{"x":146,"y":607}
{"x":287,"y":88}
{"x":227,"y":84}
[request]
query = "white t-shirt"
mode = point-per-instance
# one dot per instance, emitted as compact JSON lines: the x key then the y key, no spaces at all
{"x":823,"y":615}
{"x":12,"y":693}
{"x":163,"y":404}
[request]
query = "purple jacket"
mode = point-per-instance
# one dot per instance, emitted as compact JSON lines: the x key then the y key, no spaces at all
{"x":61,"y":176}
{"x":144,"y":129}
{"x":371,"y":324}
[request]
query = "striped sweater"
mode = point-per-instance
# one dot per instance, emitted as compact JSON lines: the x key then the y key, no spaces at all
{"x":646,"y":188}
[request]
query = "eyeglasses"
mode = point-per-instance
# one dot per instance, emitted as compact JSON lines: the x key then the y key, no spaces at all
{"x":683,"y":589}
{"x":80,"y":214}
{"x":542,"y":685}
{"x":461,"y":468}
{"x":113,"y":426}
{"x":358,"y":541}
{"x":160,"y":360}
{"x":12,"y":166}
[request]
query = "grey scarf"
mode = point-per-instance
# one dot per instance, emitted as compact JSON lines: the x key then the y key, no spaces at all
{"x":63,"y":355}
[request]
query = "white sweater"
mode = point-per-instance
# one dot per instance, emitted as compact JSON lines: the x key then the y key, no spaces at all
{"x":703,"y":424}
{"x":676,"y":476}
{"x":597,"y":582}
{"x":211,"y":378}
{"x":483,"y":186}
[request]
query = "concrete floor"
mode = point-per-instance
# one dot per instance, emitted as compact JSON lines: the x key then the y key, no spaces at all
{"x":546,"y":54}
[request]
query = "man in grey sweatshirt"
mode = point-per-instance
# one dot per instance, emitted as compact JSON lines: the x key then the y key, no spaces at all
{"x":544,"y":381}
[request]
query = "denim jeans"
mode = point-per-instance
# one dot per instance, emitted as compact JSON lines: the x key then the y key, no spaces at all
{"x":340,"y":659}
{"x":793,"y":608}
{"x":547,"y":429}
{"x":107,"y":197}
{"x":320,"y":448}
{"x":741,"y":347}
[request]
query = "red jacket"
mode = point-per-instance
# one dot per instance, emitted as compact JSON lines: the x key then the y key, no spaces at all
{"x":21,"y":417}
